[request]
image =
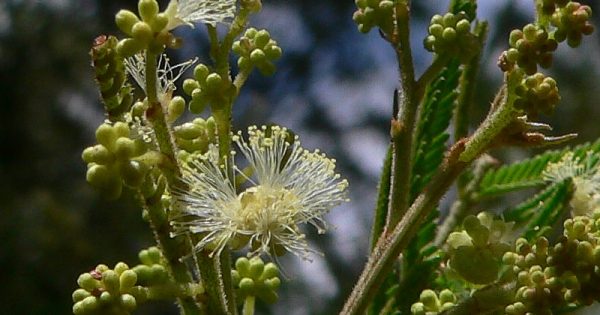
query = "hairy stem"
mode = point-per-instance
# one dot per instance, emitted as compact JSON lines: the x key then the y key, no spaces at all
{"x":402,"y":125}
{"x":172,"y":249}
{"x":390,"y":245}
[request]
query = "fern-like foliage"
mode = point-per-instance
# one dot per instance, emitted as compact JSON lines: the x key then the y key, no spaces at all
{"x":526,"y":173}
{"x":541,"y":212}
{"x":432,"y":134}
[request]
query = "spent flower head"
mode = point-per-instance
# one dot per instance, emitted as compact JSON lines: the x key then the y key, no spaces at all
{"x":166,"y":73}
{"x":290,"y":186}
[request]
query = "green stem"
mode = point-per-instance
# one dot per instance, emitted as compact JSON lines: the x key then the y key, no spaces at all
{"x":212,"y":280}
{"x":404,"y":124}
{"x":390,"y":245}
{"x":172,"y":249}
{"x":249,"y":305}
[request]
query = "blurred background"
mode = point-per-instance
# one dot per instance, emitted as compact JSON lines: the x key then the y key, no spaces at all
{"x":333,"y":87}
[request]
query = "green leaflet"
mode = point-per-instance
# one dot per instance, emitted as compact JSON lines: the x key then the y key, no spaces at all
{"x":382,"y":198}
{"x":542,"y":211}
{"x":526,"y":173}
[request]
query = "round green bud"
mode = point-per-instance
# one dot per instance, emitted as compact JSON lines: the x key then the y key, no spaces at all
{"x":79,"y":295}
{"x":111,"y":281}
{"x":106,"y":136}
{"x":175,"y":109}
{"x":449,"y":20}
{"x":256,"y":268}
{"x":189,"y":85}
{"x":449,"y":34}
{"x":124,"y":148}
{"x":148,"y":9}
{"x":87,"y":282}
{"x":127,"y":280}
{"x":78,"y":308}
{"x":214,"y":81}
{"x":235,"y":278}
{"x":128,"y":302}
{"x":242,"y":265}
{"x":437,"y":19}
{"x":246,"y":285}
{"x":142,"y":32}
{"x":463,"y":26}
{"x":160,"y":22}
{"x":436,"y":30}
{"x":270,"y":271}
{"x":200,"y":72}
{"x":386,"y":5}
{"x":100,"y":268}
{"x":251,"y":5}
{"x":122,"y":129}
{"x":120,"y":267}
{"x":244,"y":63}
{"x":250,"y":33}
{"x":188,"y":131}
{"x":154,"y":254}
{"x":89,"y":304}
{"x":429,"y":299}
{"x":133,"y":173}
{"x":257,"y":56}
{"x":446,"y":296}
{"x":97,"y":154}
{"x":159,"y":273}
{"x":273,"y":283}
{"x":262,"y":38}
{"x":273,"y":52}
{"x":125,"y":20}
{"x":106,"y":298}
{"x":129,"y":46}
{"x":144,"y":274}
{"x":237,"y":48}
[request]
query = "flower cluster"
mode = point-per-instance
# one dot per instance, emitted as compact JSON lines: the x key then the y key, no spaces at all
{"x":291,"y":186}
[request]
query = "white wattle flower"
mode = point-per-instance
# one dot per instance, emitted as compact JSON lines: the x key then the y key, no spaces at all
{"x":586,"y":181}
{"x":211,"y":12}
{"x":290,"y":186}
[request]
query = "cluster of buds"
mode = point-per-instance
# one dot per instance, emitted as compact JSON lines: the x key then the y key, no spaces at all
{"x":150,"y":32}
{"x":206,"y":88}
{"x":550,"y":276}
{"x":257,"y":49}
{"x":537,"y":94}
{"x":151,"y":272}
{"x":528,"y":48}
{"x":572,"y":22}
{"x":195,"y":136}
{"x":110,"y":73}
{"x":451,"y":35}
{"x":430,"y":303}
{"x":534,"y":44}
{"x":112,"y":163}
{"x":108,"y":291}
{"x":374,"y":13}
{"x":252,"y":277}
{"x":476,"y":252}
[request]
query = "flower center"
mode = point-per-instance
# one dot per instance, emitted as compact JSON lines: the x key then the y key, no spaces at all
{"x":267,"y":208}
